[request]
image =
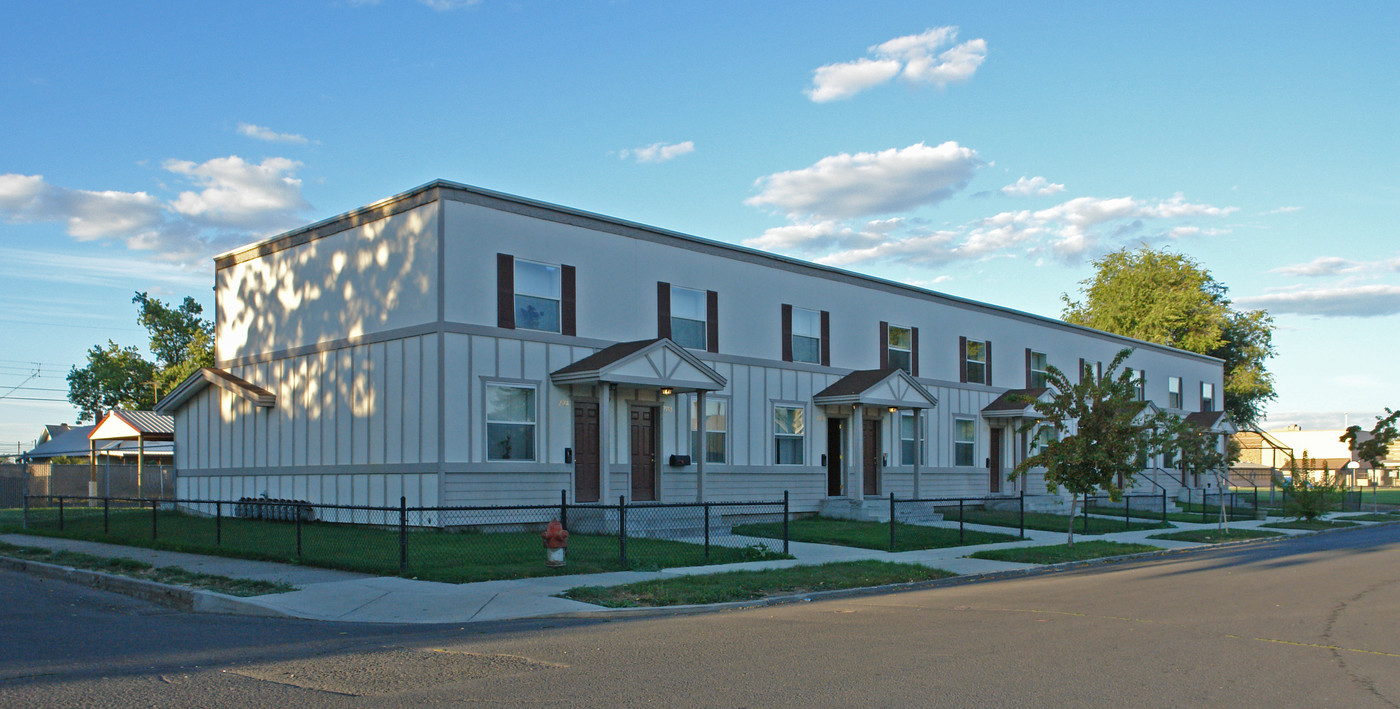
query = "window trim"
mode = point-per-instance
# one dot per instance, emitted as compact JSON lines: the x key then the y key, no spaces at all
{"x":693,"y":430}
{"x":516,"y":294}
{"x":801,"y":437}
{"x":1174,"y":382}
{"x":1031,"y":371}
{"x":957,"y":443}
{"x":790,"y":334}
{"x":704,"y":324}
{"x":534,"y":389}
{"x":921,"y":441}
{"x":1205,"y":398}
{"x":967,"y":361}
{"x":890,"y":348}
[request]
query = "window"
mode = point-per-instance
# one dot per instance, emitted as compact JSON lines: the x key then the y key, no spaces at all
{"x":906,"y":441}
{"x":536,"y":296}
{"x":716,"y":429}
{"x":806,"y":336}
{"x":1037,"y":366}
{"x":1168,"y":457}
{"x":964,"y":443}
{"x":1207,"y":396}
{"x":1044,"y":435}
{"x":1174,"y":392}
{"x":789,"y":433}
{"x":975,"y":354}
{"x":688,"y":317}
{"x":1136,"y":377}
{"x":900,"y":344}
{"x":510,"y":422}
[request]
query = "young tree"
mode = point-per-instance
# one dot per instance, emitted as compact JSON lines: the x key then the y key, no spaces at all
{"x":1103,"y":440}
{"x":1170,"y":299}
{"x":1198,"y":451}
{"x":1306,"y":498}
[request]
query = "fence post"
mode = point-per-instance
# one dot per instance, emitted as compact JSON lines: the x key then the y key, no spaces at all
{"x":1164,"y":505}
{"x":296,"y":511}
{"x":1086,"y":514}
{"x":786,"y":510}
{"x":891,"y":521}
{"x":622,"y":529}
{"x":155,"y":530}
{"x":24,"y":518}
{"x":403,"y":534}
{"x":961,"y":516}
{"x":1023,"y":513}
{"x":564,"y":508}
{"x":106,"y":526}
{"x":1127,"y":511}
{"x":1204,"y":518}
{"x":218,"y":523}
{"x":707,"y":530}
{"x":60,"y":513}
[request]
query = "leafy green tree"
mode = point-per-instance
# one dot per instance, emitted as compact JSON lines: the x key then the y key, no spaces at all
{"x":114,"y":378}
{"x":1170,"y":299}
{"x":1103,"y":438}
{"x":1198,"y":451}
{"x":117,"y":378}
{"x":1305,"y":498}
{"x":1383,"y":435}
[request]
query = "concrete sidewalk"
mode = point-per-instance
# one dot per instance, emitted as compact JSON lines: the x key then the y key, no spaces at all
{"x":323,"y":594}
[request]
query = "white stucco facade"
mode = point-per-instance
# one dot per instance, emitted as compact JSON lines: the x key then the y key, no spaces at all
{"x":381,"y":337}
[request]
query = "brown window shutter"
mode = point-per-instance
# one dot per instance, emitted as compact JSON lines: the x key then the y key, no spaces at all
{"x":568,"y":301}
{"x":711,"y":321}
{"x":505,"y":291}
{"x":663,"y":309}
{"x":987,"y":355}
{"x":884,"y":345}
{"x":962,"y":359}
{"x":826,"y":339}
{"x":914,"y":351}
{"x":787,"y":332}
{"x":1028,"y":367}
{"x":1081,"y":369}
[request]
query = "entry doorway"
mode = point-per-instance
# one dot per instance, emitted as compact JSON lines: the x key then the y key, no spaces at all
{"x":870,"y":438}
{"x":835,"y":461}
{"x":586,"y":467}
{"x":643,"y":425}
{"x":994,"y":461}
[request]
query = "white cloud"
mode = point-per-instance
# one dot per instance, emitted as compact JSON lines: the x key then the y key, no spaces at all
{"x":1321,"y":266}
{"x":1280,"y":210}
{"x":106,"y":269}
{"x":658,"y":152}
{"x":445,"y":5}
{"x":1033,"y":187}
{"x":272,"y":136}
{"x":915,"y":58}
{"x":239,"y":194}
{"x":865,"y":184}
{"x":1359,"y":301}
{"x":89,"y":215}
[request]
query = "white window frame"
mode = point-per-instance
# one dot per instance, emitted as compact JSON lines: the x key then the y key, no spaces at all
{"x":1138,"y":380}
{"x":921,"y":440}
{"x":710,"y":451}
{"x":1174,"y":392}
{"x":969,"y":361}
{"x":891,"y":349}
{"x":800,"y":437}
{"x":556,"y":297}
{"x":704,"y":318}
{"x":533,"y":423}
{"x":1204,"y":387}
{"x":1042,"y":437}
{"x":800,"y":314}
{"x":967,"y":444}
{"x":1039,"y":377}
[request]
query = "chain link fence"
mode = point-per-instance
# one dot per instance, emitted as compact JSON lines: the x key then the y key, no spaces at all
{"x":452,"y":544}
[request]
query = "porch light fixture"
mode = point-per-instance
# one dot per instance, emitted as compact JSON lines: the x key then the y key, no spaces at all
{"x":666,"y":391}
{"x":894,"y":409}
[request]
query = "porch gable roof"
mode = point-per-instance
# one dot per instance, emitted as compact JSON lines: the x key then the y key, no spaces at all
{"x":1016,"y":403}
{"x":877,"y":387}
{"x":205,"y":376}
{"x":655,"y":363}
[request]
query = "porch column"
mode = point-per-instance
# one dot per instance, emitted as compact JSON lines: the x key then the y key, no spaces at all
{"x":700,"y":455}
{"x":605,"y":420}
{"x":92,"y":469}
{"x":918,"y":447}
{"x":140,"y":461}
{"x":858,"y":455}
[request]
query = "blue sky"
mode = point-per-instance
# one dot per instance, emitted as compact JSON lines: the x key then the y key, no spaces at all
{"x":987,"y":151}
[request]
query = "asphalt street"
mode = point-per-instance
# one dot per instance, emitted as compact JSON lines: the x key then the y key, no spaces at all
{"x":1304,"y":622}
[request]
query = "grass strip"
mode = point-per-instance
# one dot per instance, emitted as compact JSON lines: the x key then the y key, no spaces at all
{"x":871,"y":535}
{"x":173,"y":575}
{"x":1373,"y":517}
{"x":751,"y":585}
{"x":434,"y":554}
{"x":1215,"y":536}
{"x":1311,"y":526}
{"x":1061,"y":553}
{"x":1049,"y":522}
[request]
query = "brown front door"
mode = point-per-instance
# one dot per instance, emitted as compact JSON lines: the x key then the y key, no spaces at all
{"x":586,"y":480}
{"x":994,"y":461}
{"x":835,"y":429}
{"x":643,"y":453}
{"x":870,"y":435}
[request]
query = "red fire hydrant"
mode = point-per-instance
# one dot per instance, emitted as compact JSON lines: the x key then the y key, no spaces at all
{"x":556,"y":539}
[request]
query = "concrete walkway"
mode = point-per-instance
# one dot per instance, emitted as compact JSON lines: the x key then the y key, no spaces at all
{"x":323,"y":594}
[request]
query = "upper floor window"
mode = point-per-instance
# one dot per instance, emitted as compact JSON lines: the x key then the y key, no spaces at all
{"x":510,"y":422}
{"x":789,"y":433}
{"x":716,"y":429}
{"x":975,"y":360}
{"x":1037,"y":369}
{"x":1174,"y":392}
{"x":689,"y":318}
{"x":806,"y":336}
{"x":1139,"y":382}
{"x":964,"y":442}
{"x":899,"y":342}
{"x":537,"y":296}
{"x":1207,"y":396}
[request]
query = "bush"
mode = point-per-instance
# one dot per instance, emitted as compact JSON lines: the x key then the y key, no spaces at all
{"x":1308,"y":499}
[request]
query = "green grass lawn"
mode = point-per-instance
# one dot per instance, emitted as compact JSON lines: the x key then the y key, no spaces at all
{"x":1049,"y":522}
{"x":1061,"y":553}
{"x":1214,"y":536}
{"x":750,"y":585}
{"x":870,"y":535}
{"x":141,"y":570}
{"x":1373,"y":517}
{"x":1314,"y":525}
{"x":437,"y":555}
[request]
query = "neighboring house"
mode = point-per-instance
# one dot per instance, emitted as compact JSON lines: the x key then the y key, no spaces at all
{"x":1277,"y":449}
{"x":458,"y":346}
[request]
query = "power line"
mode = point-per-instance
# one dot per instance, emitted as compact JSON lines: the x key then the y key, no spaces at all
{"x":30,"y":398}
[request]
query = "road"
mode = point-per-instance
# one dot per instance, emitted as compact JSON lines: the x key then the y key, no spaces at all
{"x":1309,"y":622}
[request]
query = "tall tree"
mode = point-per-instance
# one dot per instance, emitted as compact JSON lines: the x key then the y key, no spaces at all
{"x":114,"y":378}
{"x":1170,"y":299}
{"x":1375,"y":448}
{"x":1102,"y":438}
{"x":181,"y":340}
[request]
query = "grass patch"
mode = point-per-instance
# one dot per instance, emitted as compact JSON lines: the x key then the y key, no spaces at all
{"x":1314,"y":525}
{"x":1373,"y":517}
{"x":139,"y":569}
{"x":1049,"y":522}
{"x":1061,"y":553}
{"x":751,"y":585}
{"x":433,"y":554}
{"x":1215,"y":536}
{"x":870,"y":535}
